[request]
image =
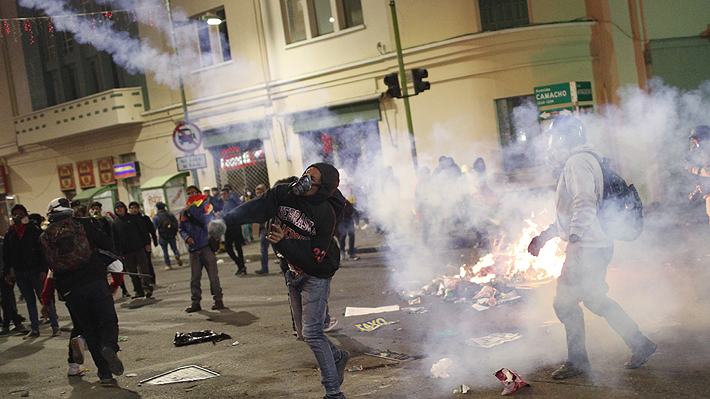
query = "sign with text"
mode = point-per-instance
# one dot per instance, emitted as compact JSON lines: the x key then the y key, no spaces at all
{"x":66,"y":177}
{"x":126,"y":170}
{"x":233,"y":158}
{"x":563,"y":93}
{"x":191,"y":162}
{"x":85,"y":169}
{"x":584,"y":91}
{"x":105,"y":166}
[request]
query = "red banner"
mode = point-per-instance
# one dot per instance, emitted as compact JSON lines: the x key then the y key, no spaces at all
{"x":105,"y":166}
{"x":85,"y":169}
{"x":66,"y":177}
{"x":4,"y":186}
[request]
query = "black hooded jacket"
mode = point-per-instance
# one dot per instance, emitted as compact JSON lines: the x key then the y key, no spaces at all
{"x":308,"y":221}
{"x":129,"y":233}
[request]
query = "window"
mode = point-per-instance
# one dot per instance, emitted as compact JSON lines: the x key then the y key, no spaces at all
{"x":503,"y":14}
{"x":213,"y":39}
{"x":68,"y":42}
{"x":71,"y":83}
{"x":307,"y":19}
{"x":522,"y":144}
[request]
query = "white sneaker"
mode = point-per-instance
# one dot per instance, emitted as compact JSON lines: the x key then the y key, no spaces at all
{"x":364,"y":226}
{"x":76,"y":369}
{"x":331,"y":326}
{"x":78,"y":346}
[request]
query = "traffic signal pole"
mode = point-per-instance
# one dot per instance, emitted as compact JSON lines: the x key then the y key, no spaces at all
{"x":405,"y":94}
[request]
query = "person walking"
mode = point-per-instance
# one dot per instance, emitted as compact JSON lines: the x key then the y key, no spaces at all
{"x":135,"y":208}
{"x":233,"y":239}
{"x":589,"y":250}
{"x":132,"y":243}
{"x":194,"y":219}
{"x":167,"y":226}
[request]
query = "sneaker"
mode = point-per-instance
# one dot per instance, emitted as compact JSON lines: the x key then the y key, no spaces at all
{"x":31,"y":335}
{"x":178,"y":260}
{"x":354,"y":257}
{"x":331,"y":325}
{"x":149,"y":294}
{"x":126,"y":294}
{"x":195,"y":307}
{"x":568,"y":370}
{"x":20,"y":329}
{"x":640,"y":356}
{"x":218,"y":304}
{"x":241,"y":272}
{"x":114,"y":362}
{"x":342,"y":255}
{"x":334,"y":396}
{"x":262,"y":272}
{"x":340,"y":365}
{"x":55,"y":332}
{"x":76,"y":369}
{"x":78,"y":346}
{"x":137,"y":295}
{"x":108,"y":382}
{"x":5,"y":331}
{"x":168,"y":267}
{"x":364,"y":226}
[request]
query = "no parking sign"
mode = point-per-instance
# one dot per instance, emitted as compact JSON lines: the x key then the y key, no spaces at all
{"x":187,"y":137}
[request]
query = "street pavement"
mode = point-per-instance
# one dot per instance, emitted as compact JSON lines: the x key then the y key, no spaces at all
{"x":661,"y":280}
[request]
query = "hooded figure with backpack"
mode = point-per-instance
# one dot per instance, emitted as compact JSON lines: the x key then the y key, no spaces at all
{"x":71,"y":248}
{"x":580,"y":196}
{"x":305,"y":215}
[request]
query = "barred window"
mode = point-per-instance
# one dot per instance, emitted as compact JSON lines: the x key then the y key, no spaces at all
{"x":503,"y":14}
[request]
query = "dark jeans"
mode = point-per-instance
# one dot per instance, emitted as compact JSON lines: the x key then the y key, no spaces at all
{"x":75,"y":332}
{"x":164,"y":245}
{"x":204,"y":257}
{"x":583,"y":279}
{"x":137,"y":262}
{"x":346,"y":228}
{"x":308,"y":297}
{"x":8,"y":305}
{"x":264,"y":244}
{"x":232,"y":241}
{"x":92,"y":305}
{"x":31,"y":287}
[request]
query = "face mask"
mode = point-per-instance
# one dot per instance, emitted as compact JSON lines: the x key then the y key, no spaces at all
{"x":302,"y":186}
{"x":25,"y":220}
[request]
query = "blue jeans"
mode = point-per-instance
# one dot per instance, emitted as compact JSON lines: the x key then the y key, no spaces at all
{"x":308,"y":297}
{"x":164,"y":245}
{"x":346,"y":228}
{"x":92,"y":306}
{"x":264,"y":246}
{"x":31,"y":287}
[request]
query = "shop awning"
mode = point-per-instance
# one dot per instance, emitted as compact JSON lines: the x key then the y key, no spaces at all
{"x":342,"y":115}
{"x":235,"y":134}
{"x":92,"y":192}
{"x":161,"y":181}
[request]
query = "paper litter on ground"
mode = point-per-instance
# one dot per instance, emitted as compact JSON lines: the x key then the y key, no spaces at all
{"x":374,"y":324}
{"x":355,"y":311}
{"x":492,"y":340}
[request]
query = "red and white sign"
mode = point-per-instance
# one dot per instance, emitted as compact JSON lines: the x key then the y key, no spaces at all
{"x":187,"y":137}
{"x":233,"y":158}
{"x":86,"y":174}
{"x":105,"y":166}
{"x":66,"y":177}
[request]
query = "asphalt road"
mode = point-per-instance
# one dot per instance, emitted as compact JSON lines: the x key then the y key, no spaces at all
{"x":664,"y":288}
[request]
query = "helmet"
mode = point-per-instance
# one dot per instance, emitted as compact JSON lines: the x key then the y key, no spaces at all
{"x":700,"y":135}
{"x":59,"y":208}
{"x":566,"y":132}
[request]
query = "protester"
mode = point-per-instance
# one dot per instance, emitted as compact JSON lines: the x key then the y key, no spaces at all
{"x":589,"y":250}
{"x":132,"y":243}
{"x":425,"y":200}
{"x":233,"y":239}
{"x":8,"y":305}
{"x":346,"y":227}
{"x":304,"y":222}
{"x":264,"y":242}
{"x":247,"y":229}
{"x":79,"y":276}
{"x":135,"y":208}
{"x":167,"y":226}
{"x":23,"y":263}
{"x":194,"y":218}
{"x":216,"y":200}
{"x":105,"y":225}
{"x":699,"y":162}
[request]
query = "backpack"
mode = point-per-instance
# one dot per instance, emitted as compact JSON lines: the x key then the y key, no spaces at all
{"x":167,"y":228}
{"x":65,"y":245}
{"x":621,"y":211}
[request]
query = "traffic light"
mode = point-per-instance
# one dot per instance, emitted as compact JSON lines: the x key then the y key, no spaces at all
{"x":392,"y":82}
{"x":417,"y":76}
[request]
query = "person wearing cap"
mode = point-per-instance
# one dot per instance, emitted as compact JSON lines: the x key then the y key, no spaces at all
{"x":132,"y":243}
{"x":167,"y":226}
{"x":698,"y":163}
{"x":304,"y":217}
{"x":86,"y":291}
{"x":24,"y":264}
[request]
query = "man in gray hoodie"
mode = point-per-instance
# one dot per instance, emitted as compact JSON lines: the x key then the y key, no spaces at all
{"x":580,"y":190}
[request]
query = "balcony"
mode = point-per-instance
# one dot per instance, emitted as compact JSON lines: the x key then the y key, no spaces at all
{"x":98,"y":111}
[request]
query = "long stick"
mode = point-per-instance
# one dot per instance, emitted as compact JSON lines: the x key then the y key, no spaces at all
{"x":132,"y":274}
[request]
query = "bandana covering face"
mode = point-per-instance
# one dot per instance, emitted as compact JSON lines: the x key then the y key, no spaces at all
{"x":197,"y":200}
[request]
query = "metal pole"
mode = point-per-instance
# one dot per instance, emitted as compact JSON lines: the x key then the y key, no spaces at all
{"x":193,"y":172}
{"x":405,"y":93}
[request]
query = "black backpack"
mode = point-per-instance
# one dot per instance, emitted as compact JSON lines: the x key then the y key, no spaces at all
{"x":167,"y":228}
{"x":621,"y":210}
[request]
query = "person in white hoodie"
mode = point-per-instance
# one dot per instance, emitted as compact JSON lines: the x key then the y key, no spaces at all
{"x":580,"y":191}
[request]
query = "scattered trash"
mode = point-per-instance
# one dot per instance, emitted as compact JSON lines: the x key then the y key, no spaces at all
{"x":394,"y":356}
{"x":449,"y":332}
{"x":353,"y":369}
{"x":220,"y":261}
{"x":400,"y":329}
{"x":462,"y":389}
{"x":486,"y":292}
{"x":439,"y":368}
{"x":480,"y":308}
{"x":122,"y":338}
{"x":415,"y":301}
{"x":130,"y":375}
{"x":374,"y":324}
{"x":25,"y":394}
{"x":181,"y":374}
{"x":355,"y":311}
{"x":235,"y":343}
{"x":420,"y":309}
{"x":511,"y":381}
{"x":197,"y":337}
{"x":492,"y":340}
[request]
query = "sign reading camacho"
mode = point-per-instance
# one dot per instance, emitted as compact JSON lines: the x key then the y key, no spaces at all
{"x":85,"y":169}
{"x":66,"y":177}
{"x":105,"y":166}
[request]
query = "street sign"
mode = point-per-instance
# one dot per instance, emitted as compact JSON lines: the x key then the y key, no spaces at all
{"x":191,"y":162}
{"x":554,"y":113}
{"x":187,"y":137}
{"x":553,"y":94}
{"x":584,"y":91}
